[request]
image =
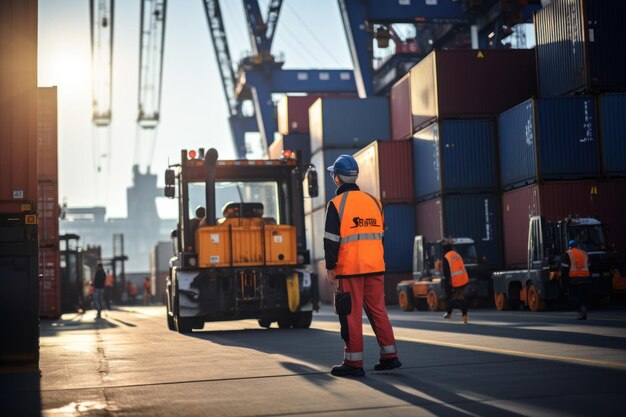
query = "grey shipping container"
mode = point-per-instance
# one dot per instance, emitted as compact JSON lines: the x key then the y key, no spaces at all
{"x":612,"y":110}
{"x":326,"y":186}
{"x":159,"y":268}
{"x":477,"y":216}
{"x":400,"y":103}
{"x":385,"y":169}
{"x":470,"y":83}
{"x":455,"y":156}
{"x":293,"y":142}
{"x":348,"y":123}
{"x":580,"y":46}
{"x":316,"y":220}
{"x":548,"y":139}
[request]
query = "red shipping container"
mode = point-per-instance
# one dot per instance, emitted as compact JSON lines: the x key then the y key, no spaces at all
{"x":391,"y":280}
{"x":458,"y":83}
{"x":428,"y":220}
{"x":49,"y":283}
{"x":557,"y":200}
{"x":386,"y":170}
{"x":400,"y":107}
{"x":48,"y":208}
{"x":18,"y":107}
{"x":47,"y":143}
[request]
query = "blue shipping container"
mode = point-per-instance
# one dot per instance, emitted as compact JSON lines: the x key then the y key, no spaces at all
{"x":548,"y":139}
{"x":613,"y":134}
{"x":399,"y":235}
{"x":580,"y":46}
{"x":455,"y":156}
{"x":348,"y":123}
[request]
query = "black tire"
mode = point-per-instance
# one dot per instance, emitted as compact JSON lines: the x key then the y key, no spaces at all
{"x":302,"y":320}
{"x":265,"y":323}
{"x":285,"y":321}
{"x":405,"y":299}
{"x":184,"y":324}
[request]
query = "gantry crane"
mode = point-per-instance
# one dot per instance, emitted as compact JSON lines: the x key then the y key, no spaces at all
{"x":101,"y":14}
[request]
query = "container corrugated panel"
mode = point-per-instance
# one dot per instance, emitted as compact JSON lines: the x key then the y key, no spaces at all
{"x":470,"y":83}
{"x":49,"y":283}
{"x":613,"y":134}
{"x":399,"y":235}
{"x":317,"y":220}
{"x":391,"y":281}
{"x":554,"y":201}
{"x":293,"y":114}
{"x":293,"y":142}
{"x":455,"y":156}
{"x":345,"y":123}
{"x":476,"y":216}
{"x":18,"y":107}
{"x":580,"y":46}
{"x":47,"y":144}
{"x":609,"y":203}
{"x":326,"y":186}
{"x":400,"y":104}
{"x":548,"y":139}
{"x":48,"y":218}
{"x":384,"y":170}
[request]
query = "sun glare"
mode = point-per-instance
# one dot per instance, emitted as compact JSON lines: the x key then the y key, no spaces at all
{"x":68,"y":70}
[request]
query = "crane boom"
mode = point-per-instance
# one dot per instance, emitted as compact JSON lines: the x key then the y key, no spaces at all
{"x":273,"y":11}
{"x":101,"y":17}
{"x":152,"y":37}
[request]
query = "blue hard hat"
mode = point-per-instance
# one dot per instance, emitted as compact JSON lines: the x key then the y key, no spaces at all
{"x":573,"y":244}
{"x":345,"y":165}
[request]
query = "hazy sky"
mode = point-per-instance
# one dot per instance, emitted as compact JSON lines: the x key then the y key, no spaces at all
{"x":193,"y":109}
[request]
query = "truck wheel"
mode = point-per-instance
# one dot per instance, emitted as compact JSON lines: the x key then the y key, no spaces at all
{"x":302,"y":320}
{"x":184,"y":324}
{"x":265,"y":323}
{"x":285,"y":321}
{"x":405,"y":300}
{"x":433,"y":301}
{"x":533,"y":300}
{"x":501,"y":301}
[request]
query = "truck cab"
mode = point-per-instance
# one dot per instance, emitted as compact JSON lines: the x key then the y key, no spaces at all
{"x":425,"y":289}
{"x":541,"y":281}
{"x":247,"y":257}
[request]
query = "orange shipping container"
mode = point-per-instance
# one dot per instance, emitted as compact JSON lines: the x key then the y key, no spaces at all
{"x":47,"y":143}
{"x":49,"y":283}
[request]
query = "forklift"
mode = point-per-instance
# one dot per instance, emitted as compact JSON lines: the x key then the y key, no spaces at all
{"x":247,"y":257}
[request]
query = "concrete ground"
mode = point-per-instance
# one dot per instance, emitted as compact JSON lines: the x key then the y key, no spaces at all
{"x":514,"y":363}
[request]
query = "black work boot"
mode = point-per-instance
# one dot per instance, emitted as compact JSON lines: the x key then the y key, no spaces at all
{"x":387,"y":364}
{"x":346,"y":370}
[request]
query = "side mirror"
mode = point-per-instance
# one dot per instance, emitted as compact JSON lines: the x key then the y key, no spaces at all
{"x":170,"y":177}
{"x":311,"y":178}
{"x":169,"y":191}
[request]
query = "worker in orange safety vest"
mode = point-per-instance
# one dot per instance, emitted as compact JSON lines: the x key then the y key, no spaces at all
{"x":455,"y":281}
{"x":353,"y":246}
{"x":575,"y":266}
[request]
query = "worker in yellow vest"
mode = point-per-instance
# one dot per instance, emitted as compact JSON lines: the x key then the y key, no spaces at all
{"x":575,"y":268}
{"x":353,"y":247}
{"x":455,"y":280}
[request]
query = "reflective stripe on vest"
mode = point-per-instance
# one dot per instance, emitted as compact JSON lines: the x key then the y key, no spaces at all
{"x":458,"y":274}
{"x":360,"y":234}
{"x":579,"y":263}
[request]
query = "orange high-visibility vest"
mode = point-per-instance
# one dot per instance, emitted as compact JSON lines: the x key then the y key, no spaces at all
{"x":108,"y":281}
{"x":360,"y":234}
{"x":579,"y":263}
{"x":458,"y":274}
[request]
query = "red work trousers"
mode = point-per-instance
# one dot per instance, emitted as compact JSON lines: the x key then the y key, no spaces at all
{"x":366,"y":293}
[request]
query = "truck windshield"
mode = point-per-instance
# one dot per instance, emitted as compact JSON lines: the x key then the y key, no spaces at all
{"x":264,"y":192}
{"x":590,"y":238}
{"x":467,"y":252}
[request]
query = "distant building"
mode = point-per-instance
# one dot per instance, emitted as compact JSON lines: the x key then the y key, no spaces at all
{"x":142,"y":229}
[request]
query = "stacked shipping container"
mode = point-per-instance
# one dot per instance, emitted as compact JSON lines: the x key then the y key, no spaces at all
{"x":48,"y":204}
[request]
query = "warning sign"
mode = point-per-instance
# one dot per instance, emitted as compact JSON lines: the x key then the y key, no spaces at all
{"x":480,"y":54}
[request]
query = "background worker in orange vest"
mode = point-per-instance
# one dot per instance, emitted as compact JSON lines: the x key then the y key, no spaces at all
{"x":132,"y":293}
{"x":108,"y":290}
{"x":146,"y":291}
{"x":455,"y":281}
{"x":575,"y":268}
{"x":353,"y":246}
